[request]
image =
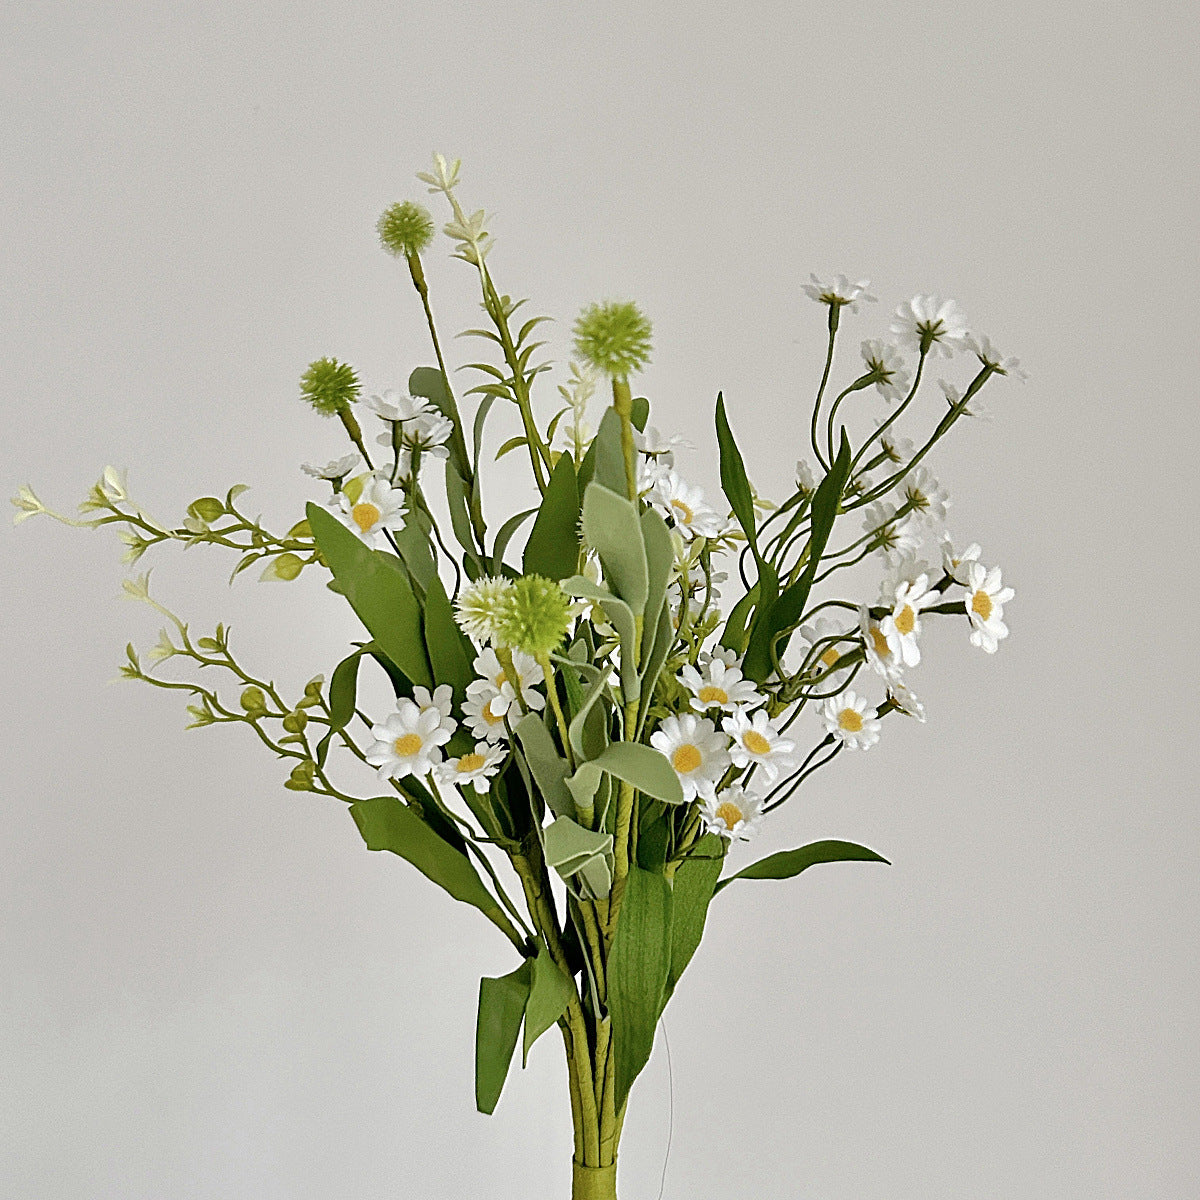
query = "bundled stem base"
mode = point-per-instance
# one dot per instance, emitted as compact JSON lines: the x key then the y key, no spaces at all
{"x":593,"y":1183}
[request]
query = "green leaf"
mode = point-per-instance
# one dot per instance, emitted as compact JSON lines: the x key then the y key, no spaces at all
{"x":787,"y":863}
{"x":619,"y":613}
{"x":644,"y":767}
{"x":387,"y":824}
{"x":505,"y":535}
{"x":637,"y":973}
{"x":736,"y":631}
{"x":605,"y":460}
{"x":553,"y":546}
{"x":457,"y":501}
{"x":549,"y":996}
{"x":612,"y":528}
{"x":450,"y":654}
{"x":695,"y":880}
{"x":581,"y":856}
{"x":513,"y":443}
{"x":660,"y":556}
{"x":549,"y":768}
{"x":734,"y":482}
{"x":502,"y":1005}
{"x":756,"y":663}
{"x":640,"y":413}
{"x":343,"y":691}
{"x":378,"y":591}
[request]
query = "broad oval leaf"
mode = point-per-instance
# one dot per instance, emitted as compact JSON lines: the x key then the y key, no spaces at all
{"x":549,"y":995}
{"x":502,"y":1003}
{"x":553,"y":546}
{"x":612,"y":528}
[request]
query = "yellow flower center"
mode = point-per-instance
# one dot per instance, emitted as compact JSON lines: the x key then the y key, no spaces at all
{"x":880,"y":642}
{"x":850,"y":720}
{"x":981,"y":603}
{"x":408,"y":745}
{"x":729,"y":813}
{"x":365,"y":516}
{"x":831,"y":656}
{"x":469,"y":762}
{"x":713,"y":695}
{"x":686,"y":759}
{"x":490,"y":717}
{"x":683,"y":514}
{"x":907,"y":619}
{"x":755,"y":742}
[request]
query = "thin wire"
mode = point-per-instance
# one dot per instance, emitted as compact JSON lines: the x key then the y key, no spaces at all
{"x":670,"y":1108}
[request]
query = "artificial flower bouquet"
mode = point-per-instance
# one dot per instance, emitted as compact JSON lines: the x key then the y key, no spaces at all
{"x":582,"y":728}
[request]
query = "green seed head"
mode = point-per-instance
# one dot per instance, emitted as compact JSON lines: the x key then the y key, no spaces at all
{"x":613,"y":337}
{"x":533,"y":617}
{"x":329,"y":386}
{"x":405,"y":229}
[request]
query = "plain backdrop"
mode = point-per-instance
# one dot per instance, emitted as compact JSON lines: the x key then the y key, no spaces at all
{"x":208,"y":987}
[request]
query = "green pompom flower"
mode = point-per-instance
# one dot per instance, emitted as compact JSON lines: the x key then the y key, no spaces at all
{"x":405,"y":229}
{"x":614,"y":337}
{"x":479,"y":605}
{"x":533,"y":616}
{"x":329,"y":386}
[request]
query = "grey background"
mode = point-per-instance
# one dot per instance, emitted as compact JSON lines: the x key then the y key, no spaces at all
{"x":209,"y":988}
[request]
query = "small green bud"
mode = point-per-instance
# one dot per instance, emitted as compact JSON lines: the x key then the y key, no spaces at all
{"x":207,"y":508}
{"x":295,"y":721}
{"x":253,"y":701}
{"x":614,"y":337}
{"x":329,"y":386}
{"x":405,"y":229}
{"x":283,"y":568}
{"x":533,"y":616}
{"x":312,"y":688}
{"x":301,"y":778}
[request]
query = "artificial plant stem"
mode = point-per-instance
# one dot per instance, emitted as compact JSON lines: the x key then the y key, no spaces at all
{"x":593,"y":1183}
{"x":623,"y":403}
{"x":355,"y":431}
{"x":834,"y":310}
{"x":543,"y":661}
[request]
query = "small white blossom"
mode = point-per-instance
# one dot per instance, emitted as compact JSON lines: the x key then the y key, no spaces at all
{"x":834,"y":642}
{"x":484,"y":710}
{"x":440,"y":700}
{"x":734,"y":814}
{"x":529,"y":675}
{"x":697,"y":753}
{"x":974,"y":408}
{"x":907,"y":569}
{"x":905,"y":699}
{"x":757,"y":743}
{"x":883,"y":360}
{"x":339,"y":468}
{"x":928,"y":498}
{"x":394,"y":405}
{"x":985,"y":602}
{"x":409,"y":741}
{"x":658,"y":446}
{"x":722,"y":654}
{"x":474,"y":769}
{"x":840,"y":292}
{"x":686,"y":506}
{"x":851,"y":720}
{"x":902,"y":626}
{"x":880,"y":657}
{"x":894,"y":539}
{"x":898,"y":449}
{"x":957,"y":563}
{"x":377,"y":509}
{"x":930,"y":323}
{"x":716,"y":685}
{"x":806,"y":481}
{"x":991,"y":357}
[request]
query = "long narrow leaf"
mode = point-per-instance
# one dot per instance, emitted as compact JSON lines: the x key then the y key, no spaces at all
{"x":502,"y":1004}
{"x":787,"y":863}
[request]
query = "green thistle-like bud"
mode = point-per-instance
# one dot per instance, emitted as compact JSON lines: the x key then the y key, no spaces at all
{"x":405,"y":229}
{"x":479,"y":605}
{"x":613,"y":337}
{"x":329,"y":386}
{"x":533,"y":617}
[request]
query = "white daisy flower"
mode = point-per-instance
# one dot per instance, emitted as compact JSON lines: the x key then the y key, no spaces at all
{"x":734,"y":814}
{"x":906,"y":569}
{"x":686,"y":506}
{"x":883,"y":360}
{"x":660,"y":447}
{"x":975,"y":407}
{"x":484,"y":710}
{"x":898,"y":449}
{"x":825,"y":630}
{"x":528,"y":672}
{"x":339,"y":468}
{"x":474,"y":769}
{"x":991,"y":357}
{"x":931,"y":324}
{"x":717,"y":685}
{"x":893,"y":539}
{"x":985,"y":602}
{"x":905,"y":699}
{"x":379,"y":508}
{"x":396,"y":406}
{"x":849,"y":718}
{"x":875,"y":644}
{"x":928,"y":498}
{"x":408,"y":742}
{"x":957,"y":563}
{"x":840,"y":292}
{"x":902,"y":626}
{"x":696,"y":751}
{"x":441,"y":699}
{"x":722,"y":654}
{"x":757,"y":743}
